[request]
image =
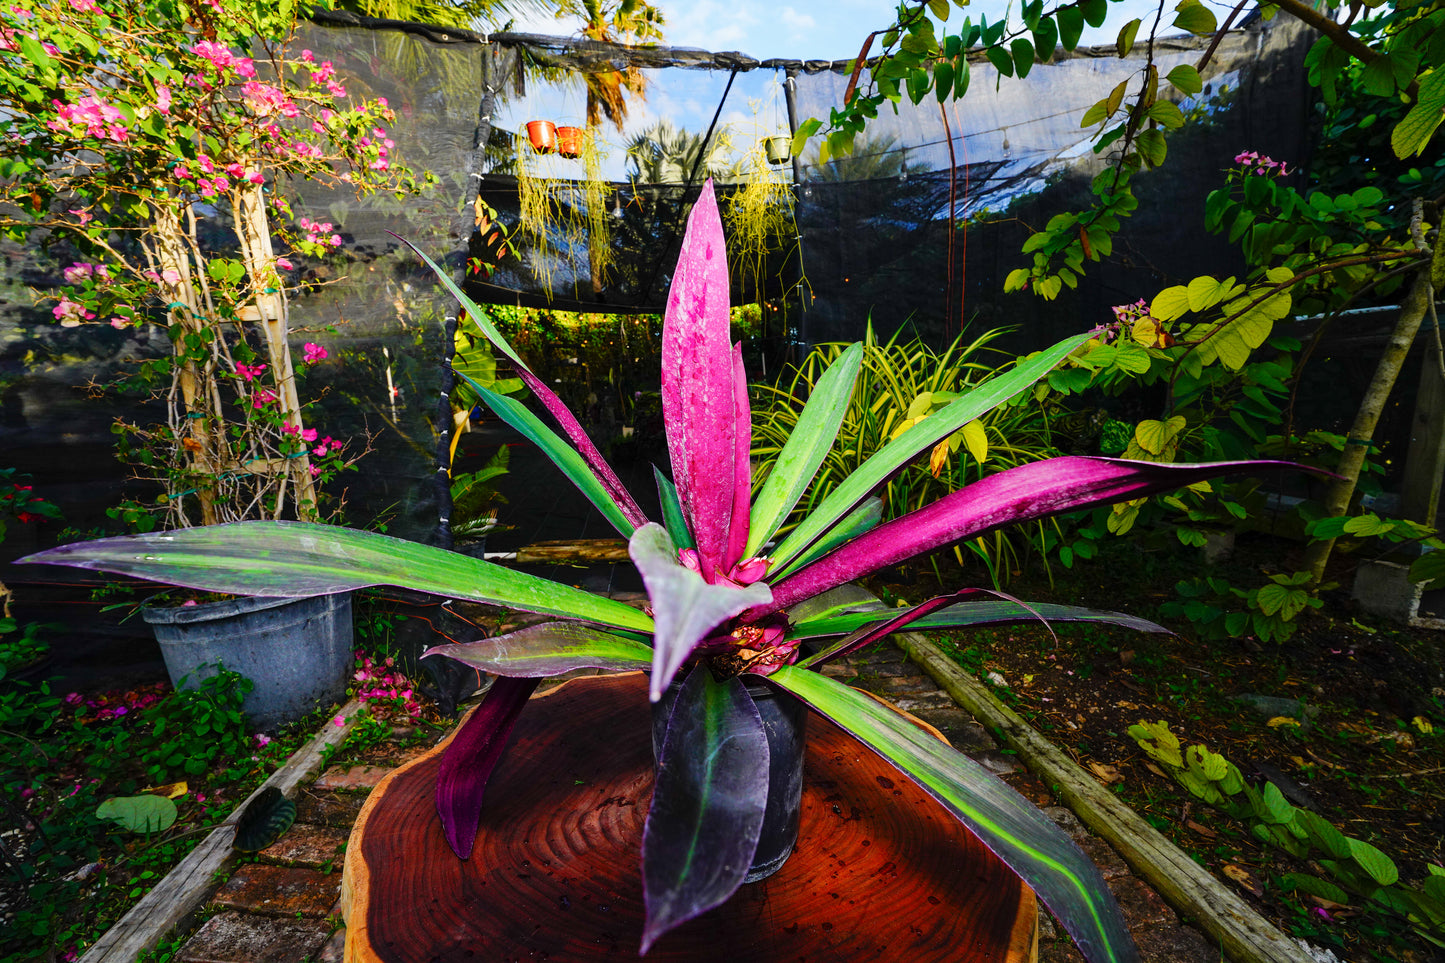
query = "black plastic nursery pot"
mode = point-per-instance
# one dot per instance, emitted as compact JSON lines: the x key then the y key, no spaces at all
{"x":296,"y":652}
{"x":785,"y":721}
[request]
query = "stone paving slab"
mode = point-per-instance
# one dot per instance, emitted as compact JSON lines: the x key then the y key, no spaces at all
{"x":280,"y":890}
{"x":243,"y":938}
{"x":308,"y":845}
{"x":357,"y":777}
{"x":337,"y":810}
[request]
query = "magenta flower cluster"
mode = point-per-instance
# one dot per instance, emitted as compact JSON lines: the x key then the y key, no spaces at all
{"x":381,"y":681}
{"x":1258,"y":164}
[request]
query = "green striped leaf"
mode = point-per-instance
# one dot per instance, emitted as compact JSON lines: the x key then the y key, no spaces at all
{"x":552,"y":648}
{"x":1017,"y":831}
{"x":301,"y":559}
{"x":805,"y":449}
{"x":990,"y":612}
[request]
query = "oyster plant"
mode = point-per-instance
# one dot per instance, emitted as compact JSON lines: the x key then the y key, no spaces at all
{"x":720,"y":594}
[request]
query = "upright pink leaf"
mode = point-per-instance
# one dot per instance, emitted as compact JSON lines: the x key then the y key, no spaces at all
{"x":1036,"y":490}
{"x":738,"y":528}
{"x":697,"y":385}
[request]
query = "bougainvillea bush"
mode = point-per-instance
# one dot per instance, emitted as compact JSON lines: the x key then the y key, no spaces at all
{"x":148,"y":146}
{"x":721,"y":601}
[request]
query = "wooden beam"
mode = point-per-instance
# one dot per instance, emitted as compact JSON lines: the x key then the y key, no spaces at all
{"x":1244,"y":935}
{"x":187,"y":886}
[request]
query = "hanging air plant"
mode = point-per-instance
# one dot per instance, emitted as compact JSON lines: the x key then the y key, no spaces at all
{"x":759,"y":220}
{"x":560,"y":216}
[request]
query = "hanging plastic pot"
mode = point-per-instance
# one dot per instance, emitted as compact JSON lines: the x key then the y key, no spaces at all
{"x":779,"y":150}
{"x":569,"y":141}
{"x":543,"y":136}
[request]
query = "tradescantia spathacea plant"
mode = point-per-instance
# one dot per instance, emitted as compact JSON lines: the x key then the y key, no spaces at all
{"x":719,"y":608}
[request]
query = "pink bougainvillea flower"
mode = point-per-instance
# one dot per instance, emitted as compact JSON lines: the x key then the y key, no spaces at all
{"x":308,"y":435}
{"x":163,"y":99}
{"x":284,"y":263}
{"x":249,"y":371}
{"x":313,"y":353}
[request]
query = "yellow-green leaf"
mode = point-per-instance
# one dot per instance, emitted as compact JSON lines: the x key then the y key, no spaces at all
{"x":976,"y":439}
{"x":1194,"y":17}
{"x":1152,"y":147}
{"x":1203,"y":292}
{"x":1154,"y":436}
{"x":1185,"y":79}
{"x":1127,"y":33}
{"x":1116,"y":96}
{"x":921,"y":405}
{"x":1171,"y":303}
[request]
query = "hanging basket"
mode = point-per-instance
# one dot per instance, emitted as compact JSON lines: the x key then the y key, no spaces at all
{"x":542,"y":134}
{"x":569,"y":141}
{"x":779,"y":150}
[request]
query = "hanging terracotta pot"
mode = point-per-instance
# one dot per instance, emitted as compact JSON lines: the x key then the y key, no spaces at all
{"x":543,"y":136}
{"x":779,"y":149}
{"x":569,"y":141}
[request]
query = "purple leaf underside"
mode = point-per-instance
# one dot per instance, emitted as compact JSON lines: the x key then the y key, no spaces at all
{"x":1036,"y":490}
{"x":707,"y":805}
{"x":468,"y":760}
{"x":684,"y":607}
{"x":868,"y":634}
{"x":548,"y":649}
{"x":698,"y":385}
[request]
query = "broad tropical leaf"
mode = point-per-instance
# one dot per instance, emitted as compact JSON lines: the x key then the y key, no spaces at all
{"x":805,"y":448}
{"x":471,"y":755}
{"x":983,"y":612}
{"x":548,"y":649}
{"x":865,"y":517}
{"x":1035,"y":490}
{"x":563,"y":455}
{"x":1015,"y":829}
{"x":879,"y":629}
{"x":923,"y":435}
{"x":570,"y":425}
{"x":684,"y":606}
{"x":300,"y":559}
{"x":707,"y":805}
{"x":698,"y":385}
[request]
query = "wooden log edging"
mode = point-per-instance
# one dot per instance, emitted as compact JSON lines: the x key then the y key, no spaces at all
{"x":1244,"y":935}
{"x":186,"y":887}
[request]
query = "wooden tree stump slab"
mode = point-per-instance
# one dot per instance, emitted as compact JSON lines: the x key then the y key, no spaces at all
{"x":881,"y":871}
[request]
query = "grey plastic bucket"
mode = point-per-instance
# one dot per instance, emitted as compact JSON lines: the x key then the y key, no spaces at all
{"x":296,"y":652}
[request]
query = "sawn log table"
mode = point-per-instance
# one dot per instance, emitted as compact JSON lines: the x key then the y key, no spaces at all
{"x":881,"y":871}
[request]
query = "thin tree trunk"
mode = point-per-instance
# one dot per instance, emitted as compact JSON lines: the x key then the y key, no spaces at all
{"x":1337,"y":500}
{"x":193,"y":434}
{"x":254,"y":231}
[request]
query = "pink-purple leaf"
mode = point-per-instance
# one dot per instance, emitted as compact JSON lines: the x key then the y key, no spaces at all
{"x":1036,"y":490}
{"x":684,"y":607}
{"x":707,"y":805}
{"x":548,"y":649}
{"x":738,"y":529}
{"x":698,"y":385}
{"x":468,"y":760}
